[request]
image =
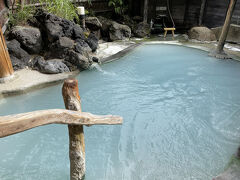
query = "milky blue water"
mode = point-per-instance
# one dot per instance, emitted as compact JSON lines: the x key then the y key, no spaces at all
{"x":181,"y":113}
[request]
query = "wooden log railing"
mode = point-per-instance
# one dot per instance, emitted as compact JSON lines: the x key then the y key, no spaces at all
{"x":13,"y":124}
{"x":73,"y":116}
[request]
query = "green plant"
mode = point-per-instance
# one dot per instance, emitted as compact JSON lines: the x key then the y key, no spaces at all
{"x":89,"y":2}
{"x":61,"y":8}
{"x":118,"y":5}
{"x":89,"y":12}
{"x":21,"y":15}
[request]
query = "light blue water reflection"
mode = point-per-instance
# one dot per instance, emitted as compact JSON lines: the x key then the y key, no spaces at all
{"x":181,"y":113}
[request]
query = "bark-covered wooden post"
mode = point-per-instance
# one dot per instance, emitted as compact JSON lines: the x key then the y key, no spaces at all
{"x":219,"y":53}
{"x":76,"y":134}
{"x":226,"y":26}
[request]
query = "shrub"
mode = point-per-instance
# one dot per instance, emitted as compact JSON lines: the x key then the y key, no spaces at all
{"x":20,"y":16}
{"x":118,"y":6}
{"x":61,"y":8}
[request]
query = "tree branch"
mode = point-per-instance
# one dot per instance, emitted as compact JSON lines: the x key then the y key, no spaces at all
{"x":13,"y":124}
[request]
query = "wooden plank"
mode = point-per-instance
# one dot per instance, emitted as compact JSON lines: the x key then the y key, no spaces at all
{"x":169,"y":29}
{"x":215,"y":13}
{"x":13,"y":124}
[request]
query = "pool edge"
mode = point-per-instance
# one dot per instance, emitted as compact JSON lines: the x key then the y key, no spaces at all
{"x":118,"y":55}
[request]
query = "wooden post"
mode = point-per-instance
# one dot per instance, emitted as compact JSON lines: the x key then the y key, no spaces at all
{"x":226,"y":26}
{"x":76,"y":134}
{"x":219,"y":52}
{"x":145,"y":11}
{"x":202,"y":9}
{"x":6,"y":68}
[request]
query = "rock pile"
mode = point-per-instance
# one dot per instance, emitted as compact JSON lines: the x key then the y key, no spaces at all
{"x":112,"y":31}
{"x":59,"y":45}
{"x":122,"y":30}
{"x":55,"y":45}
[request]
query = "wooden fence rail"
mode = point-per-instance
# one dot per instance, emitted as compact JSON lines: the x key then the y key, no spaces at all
{"x":73,"y":116}
{"x":13,"y":124}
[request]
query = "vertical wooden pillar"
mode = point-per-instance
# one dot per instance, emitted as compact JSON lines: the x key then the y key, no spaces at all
{"x":202,"y":9}
{"x":76,"y":134}
{"x":6,"y":68}
{"x":219,"y":52}
{"x":226,"y":26}
{"x":145,"y":11}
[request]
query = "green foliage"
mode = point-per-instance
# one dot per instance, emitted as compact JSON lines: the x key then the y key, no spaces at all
{"x":89,"y":2}
{"x":61,"y":8}
{"x":89,"y":12}
{"x":118,"y":5}
{"x":20,"y":16}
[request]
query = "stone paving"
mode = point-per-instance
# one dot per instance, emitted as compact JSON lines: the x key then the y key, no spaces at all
{"x":25,"y":80}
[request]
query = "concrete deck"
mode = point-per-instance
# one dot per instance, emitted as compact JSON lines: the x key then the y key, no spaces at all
{"x":26,"y":80}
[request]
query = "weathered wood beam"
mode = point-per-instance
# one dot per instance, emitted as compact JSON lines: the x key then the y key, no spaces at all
{"x":13,"y":124}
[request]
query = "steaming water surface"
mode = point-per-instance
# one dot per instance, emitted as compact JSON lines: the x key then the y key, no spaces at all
{"x":181,"y":113}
